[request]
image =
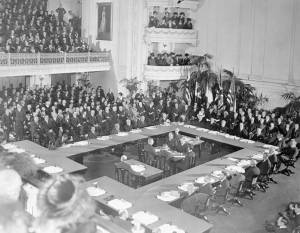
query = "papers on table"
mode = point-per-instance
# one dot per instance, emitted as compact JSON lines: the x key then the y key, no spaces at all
{"x":102,"y":230}
{"x":188,"y":187}
{"x":104,"y":138}
{"x":235,"y":169}
{"x":95,"y":191}
{"x":218,"y":174}
{"x":167,"y":228}
{"x":151,"y":127}
{"x":8,"y":146}
{"x":244,"y":163}
{"x":52,"y":169}
{"x":270,"y":146}
{"x":144,"y":218}
{"x":122,"y":134}
{"x":258,"y":156}
{"x":81,"y":143}
{"x":206,"y":180}
{"x":213,"y":132}
{"x":119,"y":204}
{"x":16,"y":150}
{"x":138,"y":168}
{"x":178,"y":156}
{"x":247,"y":141}
{"x":168,"y":196}
{"x":38,"y":160}
{"x":190,"y":126}
{"x":136,"y":131}
{"x":233,"y":159}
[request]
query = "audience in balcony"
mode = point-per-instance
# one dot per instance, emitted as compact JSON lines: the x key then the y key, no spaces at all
{"x":174,"y":22}
{"x":168,"y":59}
{"x":27,"y":27}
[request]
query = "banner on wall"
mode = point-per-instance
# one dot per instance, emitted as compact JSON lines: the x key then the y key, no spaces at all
{"x":104,"y":21}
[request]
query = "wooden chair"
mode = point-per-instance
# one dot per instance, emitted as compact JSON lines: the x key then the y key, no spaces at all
{"x":128,"y":177}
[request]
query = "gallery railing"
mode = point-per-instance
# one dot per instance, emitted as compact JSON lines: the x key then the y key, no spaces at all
{"x":24,"y":59}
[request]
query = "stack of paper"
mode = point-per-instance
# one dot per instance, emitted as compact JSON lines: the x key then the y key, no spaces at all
{"x":235,"y":169}
{"x":95,"y":192}
{"x":52,"y":169}
{"x":167,"y":228}
{"x":119,"y":204}
{"x":168,"y":196}
{"x":138,"y":168}
{"x":145,"y":218}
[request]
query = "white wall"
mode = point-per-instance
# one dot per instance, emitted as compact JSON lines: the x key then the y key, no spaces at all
{"x":127,"y":37}
{"x":259,"y":39}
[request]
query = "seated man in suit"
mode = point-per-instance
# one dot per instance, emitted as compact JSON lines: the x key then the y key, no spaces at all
{"x":251,"y":174}
{"x":127,"y":127}
{"x":259,"y":137}
{"x":223,"y":127}
{"x":150,"y":151}
{"x":92,"y":134}
{"x":171,"y":141}
{"x":116,"y":129}
{"x":241,"y":131}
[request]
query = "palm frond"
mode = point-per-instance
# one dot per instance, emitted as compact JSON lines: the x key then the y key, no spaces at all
{"x":289,"y":96}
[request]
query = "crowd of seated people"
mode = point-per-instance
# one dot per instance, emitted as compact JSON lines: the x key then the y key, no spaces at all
{"x":27,"y":27}
{"x":167,"y":21}
{"x":65,"y":113}
{"x":169,"y":59}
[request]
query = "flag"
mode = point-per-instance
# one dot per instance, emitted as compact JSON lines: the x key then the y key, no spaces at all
{"x":232,"y":95}
{"x":209,"y":95}
{"x":187,"y":93}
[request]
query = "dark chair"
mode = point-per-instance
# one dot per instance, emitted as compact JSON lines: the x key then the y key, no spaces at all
{"x":196,"y":205}
{"x":128,"y":177}
{"x":163,"y":164}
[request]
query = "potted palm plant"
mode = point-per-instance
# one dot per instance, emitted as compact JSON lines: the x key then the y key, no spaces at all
{"x":132,"y":85}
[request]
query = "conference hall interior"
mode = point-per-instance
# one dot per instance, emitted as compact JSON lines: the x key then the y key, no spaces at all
{"x":149,"y":116}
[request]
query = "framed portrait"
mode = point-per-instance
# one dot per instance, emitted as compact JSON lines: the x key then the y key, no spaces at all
{"x":104,"y":31}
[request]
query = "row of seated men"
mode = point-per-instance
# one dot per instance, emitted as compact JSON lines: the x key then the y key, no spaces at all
{"x":174,"y":22}
{"x":169,"y":59}
{"x":27,"y":27}
{"x":76,"y":113}
{"x":257,"y":177}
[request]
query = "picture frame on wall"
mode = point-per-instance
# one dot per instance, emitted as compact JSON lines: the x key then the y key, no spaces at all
{"x":104,"y":31}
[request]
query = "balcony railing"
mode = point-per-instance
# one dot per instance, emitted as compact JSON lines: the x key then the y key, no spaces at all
{"x":29,"y":59}
{"x":160,"y":73}
{"x":171,"y":35}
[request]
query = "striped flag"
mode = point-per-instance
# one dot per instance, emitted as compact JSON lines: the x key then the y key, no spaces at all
{"x":187,"y":92}
{"x":232,"y":95}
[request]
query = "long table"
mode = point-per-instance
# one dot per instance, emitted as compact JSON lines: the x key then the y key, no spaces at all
{"x":144,"y":198}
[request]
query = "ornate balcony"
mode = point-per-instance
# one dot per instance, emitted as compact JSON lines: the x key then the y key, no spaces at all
{"x":171,"y":35}
{"x":167,"y":73}
{"x":51,"y":63}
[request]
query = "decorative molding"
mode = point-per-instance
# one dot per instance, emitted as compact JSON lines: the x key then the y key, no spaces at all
{"x":160,"y":73}
{"x":171,"y":35}
{"x":28,"y":70}
{"x":189,"y":4}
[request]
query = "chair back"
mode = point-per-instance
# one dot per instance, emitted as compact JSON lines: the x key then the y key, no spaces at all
{"x":126,"y":176}
{"x":196,"y":203}
{"x":122,"y":173}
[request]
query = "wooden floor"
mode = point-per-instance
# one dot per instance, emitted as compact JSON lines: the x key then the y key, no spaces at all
{"x":265,"y":206}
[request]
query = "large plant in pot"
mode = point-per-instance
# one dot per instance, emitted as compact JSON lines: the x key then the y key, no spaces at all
{"x":132,"y":85}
